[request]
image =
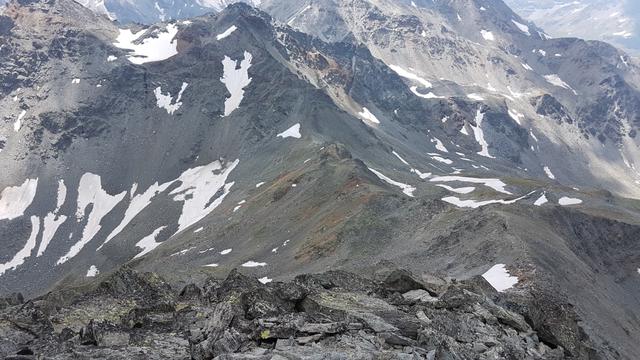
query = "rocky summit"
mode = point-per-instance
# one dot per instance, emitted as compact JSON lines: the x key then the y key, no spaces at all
{"x":333,"y":315}
{"x":148,"y":147}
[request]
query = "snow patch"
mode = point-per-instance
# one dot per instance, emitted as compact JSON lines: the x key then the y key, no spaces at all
{"x":265,"y":280}
{"x":14,"y":200}
{"x":567,"y":201}
{"x":160,"y":47}
{"x":148,"y":243}
{"x":549,"y":173}
{"x":429,"y":95}
{"x":439,"y":145}
{"x":226,"y":33}
{"x":182,"y":252}
{"x":52,"y":220}
{"x":250,"y":264}
{"x":19,"y":258}
{"x":415,"y":171}
{"x":293,"y":18}
{"x":400,"y":157}
{"x":495,"y":184}
{"x":90,"y":192}
{"x":478,"y":133}
{"x":93,"y":271}
{"x":197,"y":189}
{"x":62,"y":195}
{"x":406,"y":189}
{"x":51,"y":223}
{"x":499,"y":278}
{"x":524,"y":28}
{"x":166,"y":101}
{"x":293,"y":132}
{"x":541,"y":200}
{"x":474,"y":204}
{"x":487,"y":35}
{"x":442,"y":160}
{"x":138,"y":203}
{"x":411,"y":76}
{"x":18,"y":123}
{"x":462,"y":190}
{"x":226,"y":251}
{"x":555,"y":80}
{"x":516,"y":116}
{"x":235,"y":79}
{"x":421,"y":175}
{"x":365,"y":114}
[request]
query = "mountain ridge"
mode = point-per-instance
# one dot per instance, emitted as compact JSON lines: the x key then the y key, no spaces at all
{"x":613,"y":22}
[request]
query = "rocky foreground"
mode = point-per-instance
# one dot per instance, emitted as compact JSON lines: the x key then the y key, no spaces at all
{"x":334,"y":315}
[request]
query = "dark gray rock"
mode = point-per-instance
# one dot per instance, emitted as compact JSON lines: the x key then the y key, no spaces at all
{"x":249,"y":320}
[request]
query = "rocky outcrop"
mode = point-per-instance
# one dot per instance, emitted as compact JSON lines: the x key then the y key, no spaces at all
{"x":336,"y":314}
{"x":547,"y":105}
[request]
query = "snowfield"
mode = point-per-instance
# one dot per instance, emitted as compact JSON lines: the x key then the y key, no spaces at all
{"x":411,"y":76}
{"x":15,"y":200}
{"x":487,"y":35}
{"x":226,"y":33}
{"x":293,"y":132}
{"x":478,"y":133}
{"x":93,"y":271}
{"x":406,"y":189}
{"x":474,"y":204}
{"x":235,"y":79}
{"x":541,"y":200}
{"x":499,"y":278}
{"x":555,"y":80}
{"x":148,"y":243}
{"x":18,"y":123}
{"x":198,"y":187}
{"x":522,"y":27}
{"x":567,"y":201}
{"x":91,"y":193}
{"x":166,"y":101}
{"x":151,"y":49}
{"x":26,"y":251}
{"x":365,"y":114}
{"x":496,"y":184}
{"x":251,"y":264}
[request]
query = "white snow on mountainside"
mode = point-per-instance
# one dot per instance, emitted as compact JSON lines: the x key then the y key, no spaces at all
{"x":617,"y":22}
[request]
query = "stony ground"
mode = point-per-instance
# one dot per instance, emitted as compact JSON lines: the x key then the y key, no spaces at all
{"x":334,"y":315}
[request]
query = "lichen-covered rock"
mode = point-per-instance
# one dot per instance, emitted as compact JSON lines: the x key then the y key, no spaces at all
{"x":335,"y":315}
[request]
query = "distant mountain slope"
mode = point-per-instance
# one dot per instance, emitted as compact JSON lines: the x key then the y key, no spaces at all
{"x":449,"y":137}
{"x":617,"y":22}
{"x":152,"y":11}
